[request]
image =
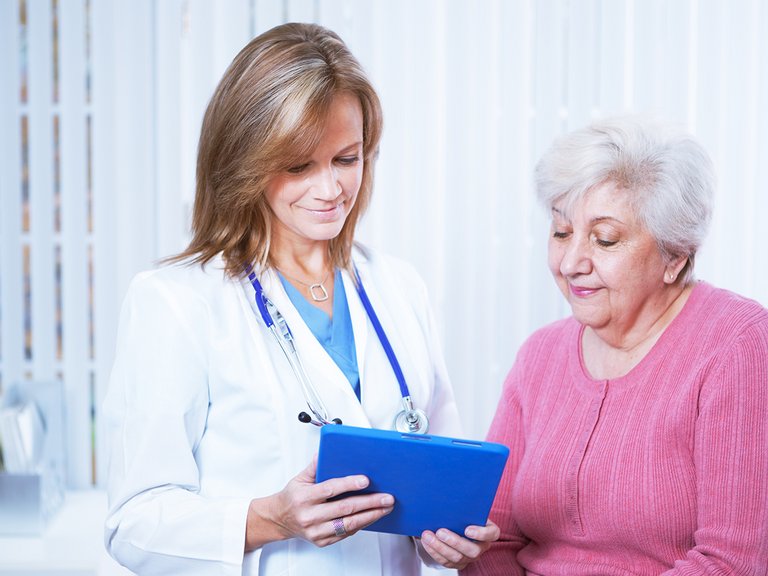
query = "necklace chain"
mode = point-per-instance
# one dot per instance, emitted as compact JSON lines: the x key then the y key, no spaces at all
{"x":317,"y":291}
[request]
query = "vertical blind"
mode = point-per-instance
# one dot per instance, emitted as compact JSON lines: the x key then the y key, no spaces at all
{"x":100,"y":109}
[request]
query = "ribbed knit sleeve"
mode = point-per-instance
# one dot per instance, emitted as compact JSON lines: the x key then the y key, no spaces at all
{"x":731,"y":459}
{"x":507,"y":428}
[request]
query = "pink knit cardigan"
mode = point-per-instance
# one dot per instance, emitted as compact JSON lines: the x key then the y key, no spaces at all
{"x":661,"y":471}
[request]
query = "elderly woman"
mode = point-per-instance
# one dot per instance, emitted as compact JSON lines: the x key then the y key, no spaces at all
{"x":638,"y":427}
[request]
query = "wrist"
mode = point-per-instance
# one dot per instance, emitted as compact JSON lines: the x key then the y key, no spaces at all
{"x":262,"y":526}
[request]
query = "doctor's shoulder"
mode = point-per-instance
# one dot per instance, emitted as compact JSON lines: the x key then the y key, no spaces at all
{"x":391,"y":271}
{"x":182,"y":284}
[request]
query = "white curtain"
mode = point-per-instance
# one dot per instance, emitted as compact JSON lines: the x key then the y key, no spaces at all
{"x":473,"y":92}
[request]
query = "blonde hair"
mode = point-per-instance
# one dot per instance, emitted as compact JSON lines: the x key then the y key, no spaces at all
{"x":266,"y":115}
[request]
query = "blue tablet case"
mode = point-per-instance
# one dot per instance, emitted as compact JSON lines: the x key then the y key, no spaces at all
{"x":437,"y":482}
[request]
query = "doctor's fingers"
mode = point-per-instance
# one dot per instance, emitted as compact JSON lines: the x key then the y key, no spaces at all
{"x":302,"y":490}
{"x":312,"y":519}
{"x":335,"y":486}
{"x":363,"y":505}
{"x":341,"y":527}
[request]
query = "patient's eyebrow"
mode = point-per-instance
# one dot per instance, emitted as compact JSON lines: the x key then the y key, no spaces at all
{"x":594,"y":220}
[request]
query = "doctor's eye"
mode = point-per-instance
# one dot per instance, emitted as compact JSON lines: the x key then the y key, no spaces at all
{"x":348,"y":160}
{"x":297,"y":169}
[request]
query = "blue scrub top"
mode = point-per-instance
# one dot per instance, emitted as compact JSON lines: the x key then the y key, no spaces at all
{"x":334,"y":334}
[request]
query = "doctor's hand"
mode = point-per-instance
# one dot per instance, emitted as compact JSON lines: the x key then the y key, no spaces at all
{"x":302,"y":510}
{"x":453,"y":551}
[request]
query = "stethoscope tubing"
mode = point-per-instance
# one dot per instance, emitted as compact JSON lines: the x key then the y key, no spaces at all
{"x":404,"y":391}
{"x":414,"y":420}
{"x":282,"y":333}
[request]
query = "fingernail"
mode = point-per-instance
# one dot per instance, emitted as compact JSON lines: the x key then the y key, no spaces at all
{"x":470,"y":533}
{"x":387,"y":500}
{"x":428,"y":538}
{"x":362,"y":482}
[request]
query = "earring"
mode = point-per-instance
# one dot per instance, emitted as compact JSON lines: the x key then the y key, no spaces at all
{"x":670,"y":277}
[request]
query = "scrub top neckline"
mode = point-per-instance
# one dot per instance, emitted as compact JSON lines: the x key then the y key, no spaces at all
{"x":335,"y":334}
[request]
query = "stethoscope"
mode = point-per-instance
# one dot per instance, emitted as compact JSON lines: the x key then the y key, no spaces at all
{"x":409,"y":420}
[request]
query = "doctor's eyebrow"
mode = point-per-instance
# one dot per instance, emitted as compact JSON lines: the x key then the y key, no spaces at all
{"x":350,"y":148}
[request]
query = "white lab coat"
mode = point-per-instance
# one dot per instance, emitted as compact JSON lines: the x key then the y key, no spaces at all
{"x":202,"y":417}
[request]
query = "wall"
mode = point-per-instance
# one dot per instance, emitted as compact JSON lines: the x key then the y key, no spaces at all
{"x":100,"y":106}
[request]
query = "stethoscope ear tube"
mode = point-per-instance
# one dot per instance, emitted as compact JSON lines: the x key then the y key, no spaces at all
{"x":305,"y":418}
{"x":277,"y":325}
{"x":261,"y":300}
{"x":409,"y":420}
{"x":314,"y":402}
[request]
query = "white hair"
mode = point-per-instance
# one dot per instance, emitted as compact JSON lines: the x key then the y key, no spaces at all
{"x":668,"y":175}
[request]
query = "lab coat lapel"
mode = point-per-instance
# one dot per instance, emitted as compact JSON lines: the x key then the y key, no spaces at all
{"x":331,"y":383}
{"x":380,"y":391}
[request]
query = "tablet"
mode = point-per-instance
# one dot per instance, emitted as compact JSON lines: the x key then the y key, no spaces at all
{"x":437,"y":482}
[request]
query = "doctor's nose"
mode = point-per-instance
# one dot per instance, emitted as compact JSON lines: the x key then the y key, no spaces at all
{"x":326,"y":184}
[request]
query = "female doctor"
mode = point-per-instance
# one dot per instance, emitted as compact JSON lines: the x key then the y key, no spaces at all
{"x":211,"y":471}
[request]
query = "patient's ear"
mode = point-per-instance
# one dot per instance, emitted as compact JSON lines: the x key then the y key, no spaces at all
{"x":673,"y":269}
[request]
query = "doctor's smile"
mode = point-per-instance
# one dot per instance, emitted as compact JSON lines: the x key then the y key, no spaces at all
{"x":328,"y":214}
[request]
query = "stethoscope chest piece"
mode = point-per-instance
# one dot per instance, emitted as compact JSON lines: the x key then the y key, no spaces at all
{"x":411,"y":420}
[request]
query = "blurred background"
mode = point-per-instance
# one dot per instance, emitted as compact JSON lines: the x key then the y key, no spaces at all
{"x":100,"y":109}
